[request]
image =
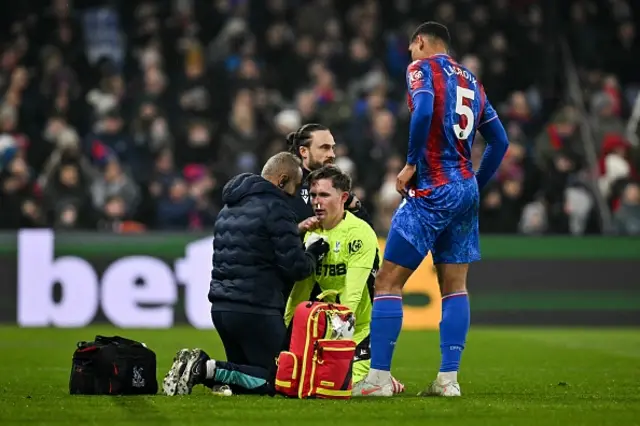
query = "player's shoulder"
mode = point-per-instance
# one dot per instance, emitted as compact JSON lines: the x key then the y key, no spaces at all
{"x":419,"y":65}
{"x":357,"y":228}
{"x":456,"y":68}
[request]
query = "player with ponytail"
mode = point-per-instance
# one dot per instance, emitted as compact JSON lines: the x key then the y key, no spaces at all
{"x":314,"y":144}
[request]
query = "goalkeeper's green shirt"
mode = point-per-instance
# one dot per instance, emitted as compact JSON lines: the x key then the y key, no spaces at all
{"x":349,"y":267}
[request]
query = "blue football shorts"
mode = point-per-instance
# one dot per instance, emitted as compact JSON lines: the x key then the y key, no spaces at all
{"x":443,"y":222}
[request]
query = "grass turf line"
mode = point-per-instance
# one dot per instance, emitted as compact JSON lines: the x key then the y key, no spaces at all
{"x":523,"y":376}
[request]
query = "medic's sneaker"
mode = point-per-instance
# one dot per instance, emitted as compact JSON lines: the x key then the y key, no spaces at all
{"x":194,"y":373}
{"x":170,"y":382}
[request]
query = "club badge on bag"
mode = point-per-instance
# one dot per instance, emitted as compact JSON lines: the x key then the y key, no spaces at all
{"x":113,"y":366}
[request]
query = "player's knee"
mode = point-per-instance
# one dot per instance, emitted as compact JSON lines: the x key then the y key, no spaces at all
{"x":391,"y":278}
{"x":383,"y":285}
{"x":453,"y":286}
{"x":452,"y":277}
{"x":450,"y":285}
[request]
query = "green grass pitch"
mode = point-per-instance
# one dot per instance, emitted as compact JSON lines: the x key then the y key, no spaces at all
{"x":523,"y":376}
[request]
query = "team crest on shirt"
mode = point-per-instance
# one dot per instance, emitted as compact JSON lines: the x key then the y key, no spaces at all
{"x":305,"y":195}
{"x":336,"y":248}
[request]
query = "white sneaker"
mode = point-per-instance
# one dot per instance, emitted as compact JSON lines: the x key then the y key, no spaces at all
{"x":442,"y":389}
{"x":170,"y":382}
{"x":364,"y":388}
{"x":194,"y":371}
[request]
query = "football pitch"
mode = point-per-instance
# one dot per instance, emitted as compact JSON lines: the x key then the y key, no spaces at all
{"x":510,"y":376}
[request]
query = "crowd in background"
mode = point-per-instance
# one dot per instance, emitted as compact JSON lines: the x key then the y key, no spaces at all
{"x":127,"y":116}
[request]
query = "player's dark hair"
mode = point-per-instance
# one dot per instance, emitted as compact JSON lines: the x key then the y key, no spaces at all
{"x":339,"y":179}
{"x":433,"y":29}
{"x":302,"y":137}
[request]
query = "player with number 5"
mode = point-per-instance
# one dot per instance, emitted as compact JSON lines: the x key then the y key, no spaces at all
{"x":439,"y":213}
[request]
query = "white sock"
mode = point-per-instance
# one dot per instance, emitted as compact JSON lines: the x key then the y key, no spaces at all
{"x":378,"y":377}
{"x":211,"y":369}
{"x":447,"y":377}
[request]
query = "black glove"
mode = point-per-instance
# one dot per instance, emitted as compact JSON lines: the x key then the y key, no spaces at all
{"x":347,"y":204}
{"x":318,"y":249}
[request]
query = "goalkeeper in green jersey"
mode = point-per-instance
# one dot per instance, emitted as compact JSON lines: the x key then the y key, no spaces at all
{"x":350,"y":265}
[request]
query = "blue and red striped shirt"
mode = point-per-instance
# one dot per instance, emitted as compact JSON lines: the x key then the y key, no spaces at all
{"x":460,"y":107}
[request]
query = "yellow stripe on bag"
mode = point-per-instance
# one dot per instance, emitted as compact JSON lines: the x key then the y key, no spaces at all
{"x":312,"y":379}
{"x":331,"y":392}
{"x":295,"y":365}
{"x":329,"y":349}
{"x":283,"y":383}
{"x":309,"y":336}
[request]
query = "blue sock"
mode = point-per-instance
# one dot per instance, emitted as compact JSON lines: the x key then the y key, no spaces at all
{"x":453,"y":329}
{"x":386,"y":322}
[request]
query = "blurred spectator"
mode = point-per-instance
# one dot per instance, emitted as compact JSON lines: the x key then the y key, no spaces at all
{"x":534,"y":219}
{"x":115,"y":184}
{"x":196,"y":145}
{"x":176,"y":210}
{"x":627,"y":217}
{"x":492,"y":216}
{"x":605,"y":108}
{"x":561,"y":134}
{"x":615,"y":164}
{"x":18,"y":205}
{"x":388,"y":199}
{"x":67,"y":199}
{"x":98,"y":130}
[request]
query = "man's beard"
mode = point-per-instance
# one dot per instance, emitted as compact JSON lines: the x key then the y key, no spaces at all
{"x":315,"y":165}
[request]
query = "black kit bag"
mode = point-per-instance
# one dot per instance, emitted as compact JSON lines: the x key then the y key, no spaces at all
{"x":113,"y":366}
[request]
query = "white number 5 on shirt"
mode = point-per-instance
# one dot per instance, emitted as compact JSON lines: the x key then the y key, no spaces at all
{"x":464,"y":110}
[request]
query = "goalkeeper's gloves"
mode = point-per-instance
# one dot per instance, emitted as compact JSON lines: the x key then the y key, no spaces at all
{"x":313,"y":237}
{"x":318,"y":248}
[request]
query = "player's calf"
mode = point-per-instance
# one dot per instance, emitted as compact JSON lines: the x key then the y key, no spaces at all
{"x":454,"y":327}
{"x":400,"y":260}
